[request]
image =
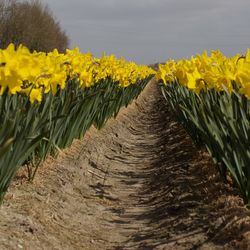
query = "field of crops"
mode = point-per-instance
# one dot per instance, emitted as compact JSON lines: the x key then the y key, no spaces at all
{"x":154,"y":162}
{"x":210,"y":96}
{"x":48,"y":99}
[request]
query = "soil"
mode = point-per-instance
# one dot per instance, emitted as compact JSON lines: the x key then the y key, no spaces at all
{"x":139,"y":183}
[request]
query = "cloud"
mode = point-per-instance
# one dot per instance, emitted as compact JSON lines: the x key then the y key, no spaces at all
{"x":144,"y":30}
{"x":115,"y":10}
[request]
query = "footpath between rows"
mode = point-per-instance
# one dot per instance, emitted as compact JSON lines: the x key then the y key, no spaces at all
{"x":139,"y":183}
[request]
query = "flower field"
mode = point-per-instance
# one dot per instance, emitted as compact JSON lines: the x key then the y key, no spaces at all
{"x":48,"y":99}
{"x":142,"y":167}
{"x":210,"y":96}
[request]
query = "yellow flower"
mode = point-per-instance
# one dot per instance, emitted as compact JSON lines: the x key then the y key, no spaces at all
{"x":195,"y":82}
{"x":20,"y":68}
{"x":33,"y":94}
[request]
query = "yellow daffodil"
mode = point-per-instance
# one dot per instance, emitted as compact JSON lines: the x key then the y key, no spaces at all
{"x":50,"y":71}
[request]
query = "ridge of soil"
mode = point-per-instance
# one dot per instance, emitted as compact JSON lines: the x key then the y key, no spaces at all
{"x":139,"y":183}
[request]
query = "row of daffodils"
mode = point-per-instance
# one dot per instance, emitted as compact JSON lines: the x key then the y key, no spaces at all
{"x":210,"y":95}
{"x":48,"y":99}
{"x":36,"y":73}
{"x":204,"y":72}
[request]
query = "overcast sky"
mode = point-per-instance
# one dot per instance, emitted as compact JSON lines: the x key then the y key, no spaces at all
{"x":148,"y":31}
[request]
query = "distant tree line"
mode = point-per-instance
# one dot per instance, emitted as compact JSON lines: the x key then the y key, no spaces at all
{"x":32,"y":24}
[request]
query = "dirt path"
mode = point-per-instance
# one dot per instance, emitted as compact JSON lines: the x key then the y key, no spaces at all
{"x":137,"y":184}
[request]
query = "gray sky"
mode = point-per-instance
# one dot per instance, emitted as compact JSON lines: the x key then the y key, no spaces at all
{"x":148,"y":31}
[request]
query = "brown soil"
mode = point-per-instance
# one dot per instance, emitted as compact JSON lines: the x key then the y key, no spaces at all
{"x":139,"y":183}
